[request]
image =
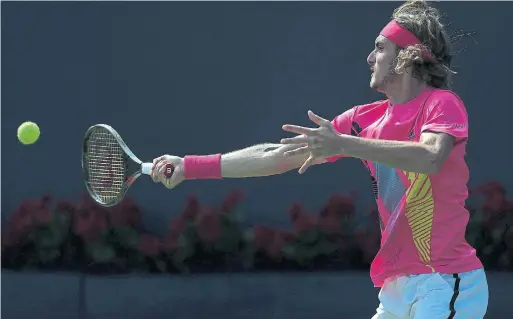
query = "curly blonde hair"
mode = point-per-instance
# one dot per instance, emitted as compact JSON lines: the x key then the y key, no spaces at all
{"x":418,"y":17}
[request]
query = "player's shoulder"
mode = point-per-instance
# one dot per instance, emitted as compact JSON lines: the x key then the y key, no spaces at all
{"x":359,"y":115}
{"x":444,"y":97}
{"x":359,"y":110}
{"x":373,"y":107}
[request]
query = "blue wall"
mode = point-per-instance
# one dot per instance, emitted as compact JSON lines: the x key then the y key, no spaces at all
{"x":205,"y":77}
{"x":347,"y":295}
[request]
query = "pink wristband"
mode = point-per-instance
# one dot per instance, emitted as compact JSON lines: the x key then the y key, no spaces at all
{"x":202,"y":167}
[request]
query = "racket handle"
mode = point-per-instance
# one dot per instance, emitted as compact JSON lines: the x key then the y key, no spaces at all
{"x":146,"y":168}
{"x":168,"y":172}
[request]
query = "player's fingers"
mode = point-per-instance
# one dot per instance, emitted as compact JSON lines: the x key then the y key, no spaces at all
{"x":297,"y":151}
{"x":155,"y":172}
{"x":154,"y":177}
{"x":298,"y":129}
{"x":295,"y":140}
{"x":158,"y":170}
{"x":168,"y":183}
{"x":307,"y":164}
{"x":158,"y":159}
{"x":175,"y":179}
{"x":317,"y":119}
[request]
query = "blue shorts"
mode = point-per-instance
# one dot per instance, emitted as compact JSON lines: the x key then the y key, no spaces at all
{"x":434,"y":296}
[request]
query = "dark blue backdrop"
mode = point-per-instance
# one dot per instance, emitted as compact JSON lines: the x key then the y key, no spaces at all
{"x":204,"y":77}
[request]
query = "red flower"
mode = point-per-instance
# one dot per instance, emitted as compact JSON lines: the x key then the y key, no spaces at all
{"x":126,"y":213}
{"x":170,"y":243}
{"x":330,"y":224}
{"x":208,"y":225}
{"x":262,"y":237}
{"x":30,"y":214}
{"x":177,"y":225}
{"x":64,"y":207}
{"x":301,"y":220}
{"x":494,"y":202}
{"x":150,"y":245}
{"x":43,"y":214}
{"x":11,"y":238}
{"x":495,"y":197}
{"x":488,"y":188}
{"x":191,"y":209}
{"x":280,"y":239}
{"x":90,"y":220}
{"x":231,"y":201}
{"x":340,"y":205}
{"x":271,"y":241}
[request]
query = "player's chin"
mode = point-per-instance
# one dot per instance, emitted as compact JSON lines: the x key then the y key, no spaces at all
{"x":373,"y":84}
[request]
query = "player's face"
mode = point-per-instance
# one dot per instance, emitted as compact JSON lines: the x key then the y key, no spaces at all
{"x":381,"y":62}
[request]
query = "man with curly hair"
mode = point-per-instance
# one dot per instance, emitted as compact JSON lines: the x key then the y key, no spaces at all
{"x":413,"y":145}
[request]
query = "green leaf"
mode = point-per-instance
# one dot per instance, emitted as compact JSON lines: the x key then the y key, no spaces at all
{"x":161,"y":265}
{"x":61,"y":221}
{"x":48,"y":255}
{"x":290,"y":251}
{"x":102,"y":253}
{"x":325,"y":247}
{"x":185,"y":249}
{"x":230,"y":238}
{"x":247,"y":255}
{"x":309,"y":236}
{"x":126,"y":236}
{"x":300,"y":253}
{"x":235,"y":215}
{"x":50,"y":237}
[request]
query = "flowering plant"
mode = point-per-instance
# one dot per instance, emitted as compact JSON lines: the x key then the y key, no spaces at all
{"x":47,"y":234}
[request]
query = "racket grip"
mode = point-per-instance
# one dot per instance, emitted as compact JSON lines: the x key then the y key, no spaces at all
{"x":146,"y":168}
{"x":168,"y":172}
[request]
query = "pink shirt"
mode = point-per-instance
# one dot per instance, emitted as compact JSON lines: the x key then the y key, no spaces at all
{"x":423,"y":217}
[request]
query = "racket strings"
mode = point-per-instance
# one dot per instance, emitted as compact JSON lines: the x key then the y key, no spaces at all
{"x":106,"y":165}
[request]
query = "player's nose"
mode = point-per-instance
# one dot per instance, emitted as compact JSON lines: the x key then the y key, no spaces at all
{"x":371,"y":58}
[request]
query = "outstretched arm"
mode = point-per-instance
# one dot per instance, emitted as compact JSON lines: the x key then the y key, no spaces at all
{"x":258,"y":160}
{"x":261,"y":160}
{"x":254,"y":161}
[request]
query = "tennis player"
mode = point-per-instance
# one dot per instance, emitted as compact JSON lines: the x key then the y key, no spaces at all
{"x":413,"y":145}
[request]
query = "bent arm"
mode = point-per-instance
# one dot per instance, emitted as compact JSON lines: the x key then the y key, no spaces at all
{"x":261,"y":160}
{"x":424,"y":157}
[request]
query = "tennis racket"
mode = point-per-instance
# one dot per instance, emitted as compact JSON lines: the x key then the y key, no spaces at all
{"x":109,"y":166}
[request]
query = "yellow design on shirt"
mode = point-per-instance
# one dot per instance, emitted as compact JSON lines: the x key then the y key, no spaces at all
{"x":419,"y":212}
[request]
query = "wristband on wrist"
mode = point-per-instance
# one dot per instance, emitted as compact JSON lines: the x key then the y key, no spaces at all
{"x":202,"y":166}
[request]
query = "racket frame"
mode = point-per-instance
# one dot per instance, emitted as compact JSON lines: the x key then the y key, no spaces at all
{"x":128,"y":158}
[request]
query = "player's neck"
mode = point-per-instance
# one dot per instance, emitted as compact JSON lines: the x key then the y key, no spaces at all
{"x":405,"y":90}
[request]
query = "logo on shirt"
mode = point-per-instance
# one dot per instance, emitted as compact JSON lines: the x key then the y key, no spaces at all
{"x":356,"y":129}
{"x":411,"y":136}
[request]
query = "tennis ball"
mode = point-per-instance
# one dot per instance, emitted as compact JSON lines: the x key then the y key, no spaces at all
{"x":28,"y":133}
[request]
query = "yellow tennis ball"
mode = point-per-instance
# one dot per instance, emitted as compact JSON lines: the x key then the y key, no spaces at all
{"x":28,"y":133}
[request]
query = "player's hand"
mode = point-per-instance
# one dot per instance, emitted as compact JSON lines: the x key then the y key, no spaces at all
{"x":321,"y":142}
{"x":157,"y":173}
